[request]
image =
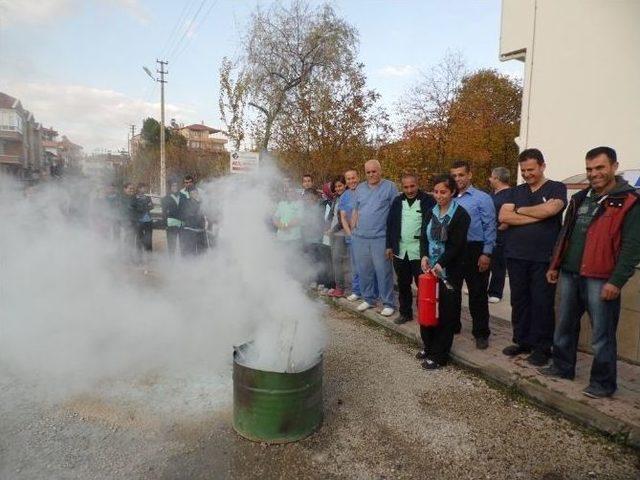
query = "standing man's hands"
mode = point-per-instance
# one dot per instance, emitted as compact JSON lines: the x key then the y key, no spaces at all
{"x":484,"y":262}
{"x":609,"y":292}
{"x":389,"y":253}
{"x":552,"y":276}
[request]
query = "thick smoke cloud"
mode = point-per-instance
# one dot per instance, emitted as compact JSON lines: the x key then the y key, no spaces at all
{"x":74,"y":313}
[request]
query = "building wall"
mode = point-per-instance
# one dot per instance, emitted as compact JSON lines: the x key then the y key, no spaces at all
{"x":13,"y":148}
{"x":581,"y":77}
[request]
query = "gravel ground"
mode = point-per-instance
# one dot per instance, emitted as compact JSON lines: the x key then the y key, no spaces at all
{"x":384,"y":418}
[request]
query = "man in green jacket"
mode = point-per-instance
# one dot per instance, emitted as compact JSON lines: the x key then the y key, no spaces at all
{"x":596,"y":253}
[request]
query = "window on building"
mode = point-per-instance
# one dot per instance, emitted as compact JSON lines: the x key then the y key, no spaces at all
{"x":10,"y":121}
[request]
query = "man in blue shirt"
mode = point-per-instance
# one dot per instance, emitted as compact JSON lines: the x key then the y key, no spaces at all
{"x":499,"y":181}
{"x":534,"y":214}
{"x":369,"y":231}
{"x":346,"y":206}
{"x":481,"y":240}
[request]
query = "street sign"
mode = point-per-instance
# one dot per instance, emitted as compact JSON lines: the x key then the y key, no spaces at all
{"x":244,"y":162}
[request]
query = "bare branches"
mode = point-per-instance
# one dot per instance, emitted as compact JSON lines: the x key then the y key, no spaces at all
{"x":285,"y":47}
{"x":232,"y":101}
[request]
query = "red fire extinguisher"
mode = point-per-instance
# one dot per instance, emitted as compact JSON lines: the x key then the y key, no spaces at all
{"x":428,"y":294}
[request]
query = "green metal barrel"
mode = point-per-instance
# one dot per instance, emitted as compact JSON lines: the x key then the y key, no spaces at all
{"x":276,"y":407}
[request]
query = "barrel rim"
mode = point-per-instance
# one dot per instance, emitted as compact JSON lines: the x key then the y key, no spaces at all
{"x":238,"y":348}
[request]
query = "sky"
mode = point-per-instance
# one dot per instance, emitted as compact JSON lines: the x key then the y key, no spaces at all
{"x":77,"y":64}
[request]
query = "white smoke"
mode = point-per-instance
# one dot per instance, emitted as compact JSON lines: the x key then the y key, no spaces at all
{"x":74,"y":313}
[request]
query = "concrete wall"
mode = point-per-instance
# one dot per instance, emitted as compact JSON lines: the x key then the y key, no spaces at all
{"x":582,"y":72}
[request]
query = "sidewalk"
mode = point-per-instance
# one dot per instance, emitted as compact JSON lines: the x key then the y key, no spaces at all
{"x":619,"y":417}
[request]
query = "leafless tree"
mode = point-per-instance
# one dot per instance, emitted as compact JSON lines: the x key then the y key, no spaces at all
{"x":287,"y":45}
{"x":232,"y":99}
{"x":428,"y":103}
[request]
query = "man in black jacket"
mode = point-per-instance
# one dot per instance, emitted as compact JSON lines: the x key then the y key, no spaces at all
{"x":129,"y":219}
{"x":142,"y":205}
{"x":403,"y":240}
{"x":193,"y":240}
{"x":172,"y":210}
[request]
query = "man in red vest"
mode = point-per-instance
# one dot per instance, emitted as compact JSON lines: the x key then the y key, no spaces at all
{"x":596,"y":253}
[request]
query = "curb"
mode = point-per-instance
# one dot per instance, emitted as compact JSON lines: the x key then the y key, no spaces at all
{"x":577,"y":411}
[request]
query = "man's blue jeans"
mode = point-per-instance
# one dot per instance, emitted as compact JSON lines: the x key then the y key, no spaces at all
{"x":577,"y":295}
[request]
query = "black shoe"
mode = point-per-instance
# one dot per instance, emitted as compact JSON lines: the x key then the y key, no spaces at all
{"x":596,"y":392}
{"x":553,"y":371}
{"x":482,"y":343}
{"x":538,"y":358}
{"x":402,"y":319}
{"x":430,"y":365}
{"x":421,"y":355}
{"x":513,"y":350}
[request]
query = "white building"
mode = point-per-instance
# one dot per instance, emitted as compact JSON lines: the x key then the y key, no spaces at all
{"x":581,"y":78}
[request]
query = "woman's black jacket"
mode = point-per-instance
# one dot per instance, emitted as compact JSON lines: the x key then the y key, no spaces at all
{"x":456,"y":237}
{"x":394,"y":220}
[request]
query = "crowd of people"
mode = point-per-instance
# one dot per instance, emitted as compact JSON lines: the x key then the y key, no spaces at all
{"x":366,"y":239}
{"x":126,"y":217}
{"x":374,"y":237}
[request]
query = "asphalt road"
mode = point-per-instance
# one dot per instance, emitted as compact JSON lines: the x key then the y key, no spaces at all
{"x":384,"y":418}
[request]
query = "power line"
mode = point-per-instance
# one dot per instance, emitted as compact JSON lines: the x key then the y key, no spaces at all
{"x":193,"y":32}
{"x":173,"y":35}
{"x":186,"y":30}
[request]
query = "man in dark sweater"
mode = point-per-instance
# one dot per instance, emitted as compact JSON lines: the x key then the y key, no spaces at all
{"x":533,"y":212}
{"x":595,"y":255}
{"x":403,"y":240}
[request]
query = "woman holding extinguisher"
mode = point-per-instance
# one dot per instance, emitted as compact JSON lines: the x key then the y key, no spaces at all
{"x":442,"y":242}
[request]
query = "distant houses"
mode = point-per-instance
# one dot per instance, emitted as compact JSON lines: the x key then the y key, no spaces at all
{"x":200,"y":138}
{"x":27,"y":149}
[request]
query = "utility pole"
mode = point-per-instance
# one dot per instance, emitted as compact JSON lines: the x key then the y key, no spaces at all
{"x":133,"y":134}
{"x":163,"y":166}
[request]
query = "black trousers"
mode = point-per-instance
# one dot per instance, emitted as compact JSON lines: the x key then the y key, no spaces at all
{"x":477,"y":283}
{"x":533,"y":316}
{"x":498,"y":271}
{"x":438,"y":340}
{"x":193,"y":242}
{"x":407,"y":272}
{"x":144,"y":236}
{"x":173,"y":233}
{"x":319,"y":255}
